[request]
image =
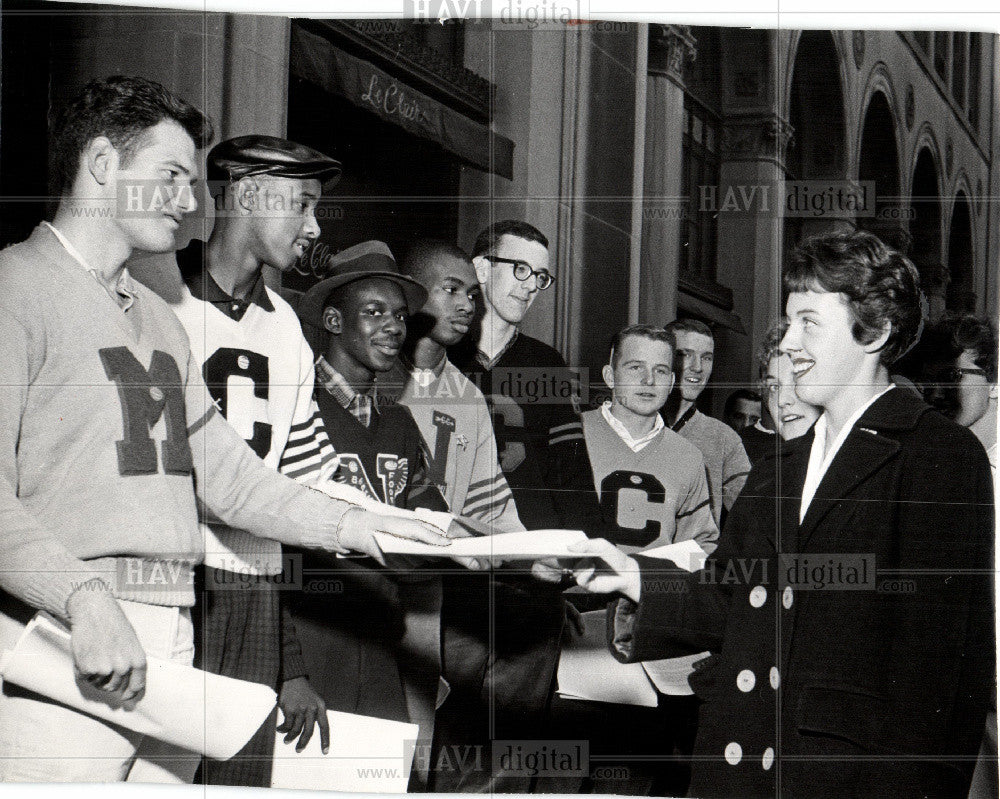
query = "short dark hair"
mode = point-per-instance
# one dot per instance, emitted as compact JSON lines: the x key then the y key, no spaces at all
{"x":770,"y":347}
{"x":688,"y":325}
{"x":970,"y":332}
{"x":650,"y":332}
{"x":739,"y":394}
{"x":488,"y":238}
{"x":881,"y":285}
{"x":121,"y":108}
{"x":424,"y":252}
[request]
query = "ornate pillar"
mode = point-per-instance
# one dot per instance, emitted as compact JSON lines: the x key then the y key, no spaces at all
{"x":671,"y":47}
{"x":751,"y":178}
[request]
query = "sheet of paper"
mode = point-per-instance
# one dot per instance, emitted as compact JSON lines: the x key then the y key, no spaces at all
{"x":367,"y":755}
{"x":670,"y":676}
{"x":686,"y":555}
{"x":588,"y":670}
{"x":524,"y":545}
{"x":182,"y":705}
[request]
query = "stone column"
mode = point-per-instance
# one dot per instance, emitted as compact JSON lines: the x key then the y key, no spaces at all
{"x":751,"y":180}
{"x":671,"y":47}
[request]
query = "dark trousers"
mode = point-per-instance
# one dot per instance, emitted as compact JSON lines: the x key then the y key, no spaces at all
{"x":237,"y":633}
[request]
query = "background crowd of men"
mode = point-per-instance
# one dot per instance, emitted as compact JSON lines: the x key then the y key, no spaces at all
{"x":203,"y":428}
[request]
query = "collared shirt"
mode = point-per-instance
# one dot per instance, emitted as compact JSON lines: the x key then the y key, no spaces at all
{"x":757,"y":425}
{"x":359,"y":405}
{"x":634,"y":444}
{"x":423,"y":377}
{"x":203,"y":287}
{"x":488,"y":363}
{"x":818,"y":464}
{"x":124,"y":293}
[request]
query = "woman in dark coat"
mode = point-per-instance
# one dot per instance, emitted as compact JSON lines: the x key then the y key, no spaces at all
{"x":850,"y":602}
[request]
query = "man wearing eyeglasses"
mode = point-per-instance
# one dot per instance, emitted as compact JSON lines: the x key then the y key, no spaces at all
{"x":544,"y":458}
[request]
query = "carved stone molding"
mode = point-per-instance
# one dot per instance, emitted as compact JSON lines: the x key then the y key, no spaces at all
{"x":949,"y":154}
{"x":858,"y":48}
{"x":911,"y":107}
{"x":672,"y":47}
{"x":757,"y":136}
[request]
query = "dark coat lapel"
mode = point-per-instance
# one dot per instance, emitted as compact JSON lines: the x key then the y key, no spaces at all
{"x":794,"y":462}
{"x":866,"y":449}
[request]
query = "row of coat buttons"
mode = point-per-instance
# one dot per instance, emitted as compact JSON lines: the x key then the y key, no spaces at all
{"x":734,"y":755}
{"x":758,"y":596}
{"x":746,"y":679}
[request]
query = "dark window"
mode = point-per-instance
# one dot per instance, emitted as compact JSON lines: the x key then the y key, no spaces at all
{"x":700,"y":157}
{"x":961,"y":45}
{"x":941,"y":39}
{"x":975,"y":63}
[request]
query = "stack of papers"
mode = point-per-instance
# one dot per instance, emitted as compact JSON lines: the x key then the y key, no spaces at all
{"x":525,"y":545}
{"x":182,"y":705}
{"x":367,"y":755}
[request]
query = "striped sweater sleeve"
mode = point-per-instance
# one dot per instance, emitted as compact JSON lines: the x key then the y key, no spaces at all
{"x":309,"y":456}
{"x":489,"y":498}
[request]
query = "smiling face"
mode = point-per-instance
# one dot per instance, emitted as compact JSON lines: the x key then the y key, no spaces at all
{"x":792,"y":417}
{"x":826,"y":358}
{"x":505,"y":295}
{"x":693,"y":362}
{"x":452,"y":289}
{"x":641,"y":377}
{"x":153,"y":187}
{"x":367,"y":329}
{"x":282,"y":214}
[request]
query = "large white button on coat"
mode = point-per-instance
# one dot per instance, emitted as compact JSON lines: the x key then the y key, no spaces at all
{"x":786,"y":597}
{"x":746,"y":680}
{"x":734,"y":753}
{"x":758,"y":596}
{"x":775,"y":678}
{"x":768,"y":760}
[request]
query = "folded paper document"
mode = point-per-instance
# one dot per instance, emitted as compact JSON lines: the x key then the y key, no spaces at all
{"x":524,"y":545}
{"x":588,"y":670}
{"x":367,"y":755}
{"x":182,"y":705}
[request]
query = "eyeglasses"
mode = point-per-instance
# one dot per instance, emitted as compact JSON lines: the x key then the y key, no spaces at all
{"x":955,"y":375}
{"x":523,"y":270}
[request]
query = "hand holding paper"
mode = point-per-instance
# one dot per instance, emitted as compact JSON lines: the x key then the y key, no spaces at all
{"x":184,"y":706}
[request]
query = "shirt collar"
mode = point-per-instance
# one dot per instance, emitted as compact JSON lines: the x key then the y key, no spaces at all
{"x":634,"y":444}
{"x":758,"y":426}
{"x":423,"y":377}
{"x":204,"y":287}
{"x":124,"y":287}
{"x":488,"y":363}
{"x":335,"y":383}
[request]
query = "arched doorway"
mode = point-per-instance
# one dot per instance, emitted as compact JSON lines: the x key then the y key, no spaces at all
{"x":816,"y":112}
{"x":879,"y":163}
{"x":925,"y":229}
{"x":961,"y":294}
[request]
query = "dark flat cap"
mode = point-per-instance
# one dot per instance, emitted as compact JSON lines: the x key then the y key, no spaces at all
{"x":267,"y":155}
{"x":360,"y":262}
